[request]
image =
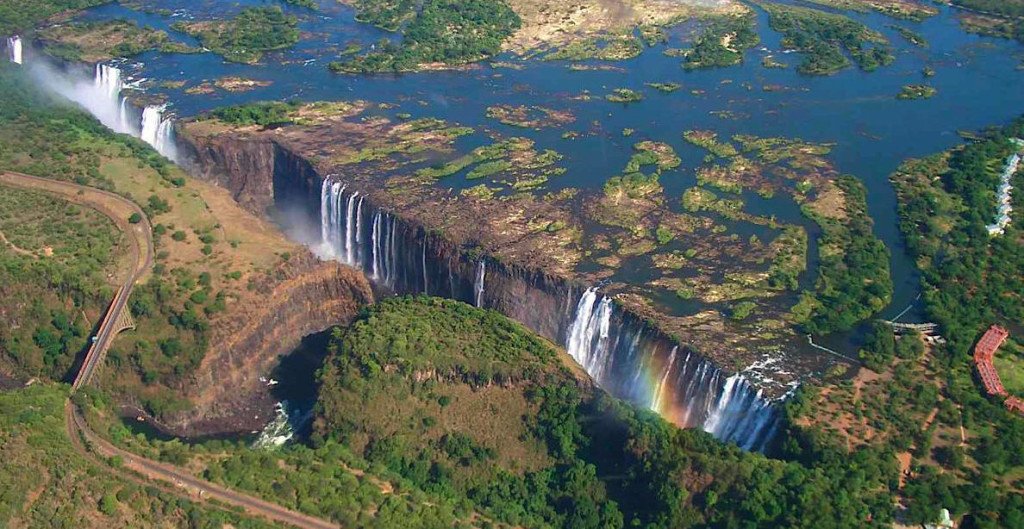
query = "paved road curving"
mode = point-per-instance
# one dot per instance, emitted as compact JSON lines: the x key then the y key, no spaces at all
{"x":119,"y":209}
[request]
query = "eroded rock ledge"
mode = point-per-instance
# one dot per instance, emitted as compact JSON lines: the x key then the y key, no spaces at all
{"x":302,"y":296}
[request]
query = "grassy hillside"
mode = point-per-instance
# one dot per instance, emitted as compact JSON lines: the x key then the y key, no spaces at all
{"x":46,"y":483}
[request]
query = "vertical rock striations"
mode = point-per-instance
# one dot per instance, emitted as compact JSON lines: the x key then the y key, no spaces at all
{"x":622,"y":353}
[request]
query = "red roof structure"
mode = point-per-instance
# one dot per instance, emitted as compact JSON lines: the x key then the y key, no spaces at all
{"x":984,"y":352}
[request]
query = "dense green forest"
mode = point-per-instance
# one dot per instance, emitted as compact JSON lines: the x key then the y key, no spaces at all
{"x":245,"y":37}
{"x":828,"y":41}
{"x":442,"y":31}
{"x":970,"y":280}
{"x":433,"y":413}
{"x":53,"y":263}
{"x":722,"y":43}
{"x":853,"y":283}
{"x":46,"y":483}
{"x":262,"y":113}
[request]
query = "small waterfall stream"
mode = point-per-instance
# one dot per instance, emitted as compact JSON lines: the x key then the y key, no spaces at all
{"x":478,"y":285}
{"x":14,"y":51}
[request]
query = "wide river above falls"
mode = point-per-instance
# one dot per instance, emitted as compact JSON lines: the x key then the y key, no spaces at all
{"x":978,"y":81}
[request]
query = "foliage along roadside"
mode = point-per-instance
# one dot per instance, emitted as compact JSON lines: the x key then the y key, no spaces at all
{"x":47,"y":483}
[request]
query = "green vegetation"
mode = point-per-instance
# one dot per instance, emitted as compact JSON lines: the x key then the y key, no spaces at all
{"x":385,"y":14}
{"x":47,"y":483}
{"x":100,"y":41}
{"x":245,"y":37}
{"x":904,"y":9}
{"x":443,"y":31}
{"x":992,"y":17}
{"x":262,"y":113}
{"x":308,"y":4}
{"x":925,"y":399}
{"x":708,"y":140}
{"x":53,"y":263}
{"x":853,"y":277}
{"x":667,"y":88}
{"x":722,"y":43}
{"x":916,"y":91}
{"x":911,"y":36}
{"x":64,"y":289}
{"x":624,"y":95}
{"x":16,"y":17}
{"x":436,"y":414}
{"x":823,"y":37}
{"x":615,"y":47}
{"x":970,"y":279}
{"x":1010,"y":8}
{"x":520,"y":165}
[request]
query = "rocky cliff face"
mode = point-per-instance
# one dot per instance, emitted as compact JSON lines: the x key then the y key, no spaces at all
{"x":240,"y":165}
{"x":476,"y":252}
{"x":302,"y":297}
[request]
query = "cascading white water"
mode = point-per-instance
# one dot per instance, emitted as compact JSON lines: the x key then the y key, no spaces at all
{"x":478,"y":285}
{"x":343,"y":232}
{"x":124,"y":118}
{"x":151,"y":116}
{"x":659,"y":391}
{"x":423,"y":263}
{"x":157,"y":130}
{"x":14,"y":53}
{"x":358,"y":251}
{"x":350,"y":213}
{"x":691,"y":393}
{"x":589,"y":340}
{"x":375,"y":231}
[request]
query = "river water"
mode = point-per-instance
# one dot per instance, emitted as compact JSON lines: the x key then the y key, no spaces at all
{"x":978,"y":81}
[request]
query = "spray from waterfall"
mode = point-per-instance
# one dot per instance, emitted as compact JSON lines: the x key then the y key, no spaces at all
{"x":691,"y":393}
{"x":14,"y":53}
{"x":104,"y":96}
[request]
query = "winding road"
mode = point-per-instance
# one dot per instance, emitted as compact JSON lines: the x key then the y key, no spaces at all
{"x":87,"y":442}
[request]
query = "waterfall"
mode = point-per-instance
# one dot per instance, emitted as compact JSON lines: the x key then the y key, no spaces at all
{"x":350,"y":213}
{"x":150,"y":123}
{"x":691,"y":393}
{"x":375,"y":246}
{"x":343,"y":233}
{"x":660,"y":390}
{"x":478,"y":285}
{"x":124,"y":121}
{"x":423,"y":260}
{"x":14,"y":49}
{"x":357,"y":258}
{"x":157,"y":130}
